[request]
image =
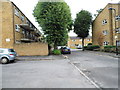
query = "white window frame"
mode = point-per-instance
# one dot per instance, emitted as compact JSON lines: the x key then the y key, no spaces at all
{"x":105,"y":32}
{"x":88,"y":40}
{"x":17,"y":12}
{"x":104,"y":22}
{"x":17,"y":28}
{"x":73,"y":40}
{"x":22,"y":18}
{"x":106,"y":43}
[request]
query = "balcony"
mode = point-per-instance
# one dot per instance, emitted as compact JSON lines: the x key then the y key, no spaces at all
{"x":26,"y":27}
{"x":26,"y":40}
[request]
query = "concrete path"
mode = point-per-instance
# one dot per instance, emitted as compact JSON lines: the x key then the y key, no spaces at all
{"x":43,"y":74}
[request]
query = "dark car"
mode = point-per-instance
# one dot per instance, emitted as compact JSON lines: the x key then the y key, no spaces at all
{"x":65,"y":50}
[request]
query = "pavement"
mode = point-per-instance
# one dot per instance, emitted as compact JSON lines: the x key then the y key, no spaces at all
{"x":105,"y":54}
{"x":54,"y":57}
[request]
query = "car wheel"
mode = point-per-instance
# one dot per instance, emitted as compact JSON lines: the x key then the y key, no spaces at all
{"x":4,"y":60}
{"x":12,"y":61}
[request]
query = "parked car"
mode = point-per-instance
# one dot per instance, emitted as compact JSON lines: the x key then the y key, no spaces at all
{"x":79,"y":47}
{"x":7,"y":55}
{"x":65,"y":50}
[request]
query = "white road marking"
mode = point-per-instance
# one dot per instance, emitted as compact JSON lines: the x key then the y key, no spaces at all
{"x":86,"y":77}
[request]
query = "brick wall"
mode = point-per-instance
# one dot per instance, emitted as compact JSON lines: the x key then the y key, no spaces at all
{"x":31,"y":49}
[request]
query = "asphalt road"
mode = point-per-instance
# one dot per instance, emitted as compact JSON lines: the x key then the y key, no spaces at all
{"x":57,"y":73}
{"x":100,"y":68}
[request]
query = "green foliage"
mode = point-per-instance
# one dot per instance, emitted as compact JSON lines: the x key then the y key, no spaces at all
{"x":82,"y":25}
{"x":92,"y":47}
{"x":56,"y":52}
{"x":89,"y":44}
{"x":55,"y":20}
{"x":85,"y":47}
{"x":108,"y":46}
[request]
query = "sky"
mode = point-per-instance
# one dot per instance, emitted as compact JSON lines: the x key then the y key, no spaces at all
{"x":27,"y":7}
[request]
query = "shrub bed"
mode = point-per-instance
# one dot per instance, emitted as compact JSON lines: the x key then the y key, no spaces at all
{"x":110,"y":48}
{"x":92,"y":47}
{"x":56,"y":52}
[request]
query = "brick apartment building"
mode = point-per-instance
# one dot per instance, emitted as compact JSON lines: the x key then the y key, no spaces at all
{"x":75,"y":42}
{"x":106,"y":26}
{"x":16,"y":30}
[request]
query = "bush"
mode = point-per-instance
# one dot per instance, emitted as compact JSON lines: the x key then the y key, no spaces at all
{"x":92,"y":47}
{"x":85,"y":47}
{"x":56,"y":52}
{"x":89,"y":44}
{"x":110,"y":48}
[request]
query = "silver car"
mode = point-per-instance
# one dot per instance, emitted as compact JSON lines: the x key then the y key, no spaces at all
{"x":7,"y":55}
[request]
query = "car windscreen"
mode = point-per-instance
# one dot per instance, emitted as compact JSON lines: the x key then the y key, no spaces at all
{"x":11,"y":50}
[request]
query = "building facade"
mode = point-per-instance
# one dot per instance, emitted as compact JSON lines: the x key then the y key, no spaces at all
{"x":106,"y":26}
{"x":16,"y":28}
{"x":76,"y":42}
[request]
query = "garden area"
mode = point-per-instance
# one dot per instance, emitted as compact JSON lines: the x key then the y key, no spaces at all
{"x":108,"y":48}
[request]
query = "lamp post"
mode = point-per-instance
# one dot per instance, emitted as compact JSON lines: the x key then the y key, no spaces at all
{"x":115,"y":27}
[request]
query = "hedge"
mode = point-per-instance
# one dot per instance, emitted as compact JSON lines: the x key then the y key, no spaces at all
{"x":92,"y":47}
{"x":56,"y":52}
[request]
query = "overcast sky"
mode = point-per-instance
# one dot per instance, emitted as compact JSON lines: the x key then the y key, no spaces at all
{"x":27,"y":6}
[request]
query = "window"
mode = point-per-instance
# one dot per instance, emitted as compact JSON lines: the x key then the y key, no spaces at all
{"x":88,"y":39}
{"x":104,"y":22}
{"x":117,"y":17}
{"x":118,"y":30}
{"x":22,"y":18}
{"x":31,"y":25}
{"x":23,"y":31}
{"x":72,"y":45}
{"x":105,"y":32}
{"x":106,"y":43}
{"x":27,"y":22}
{"x":73,"y":40}
{"x":11,"y":50}
{"x":17,"y":27}
{"x":16,"y":12}
{"x":80,"y":39}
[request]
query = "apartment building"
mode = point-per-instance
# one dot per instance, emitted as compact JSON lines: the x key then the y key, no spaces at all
{"x":76,"y":42}
{"x":16,"y":29}
{"x":106,"y":26}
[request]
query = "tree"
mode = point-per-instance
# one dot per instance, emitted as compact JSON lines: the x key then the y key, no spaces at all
{"x":82,"y":25}
{"x":55,"y":21}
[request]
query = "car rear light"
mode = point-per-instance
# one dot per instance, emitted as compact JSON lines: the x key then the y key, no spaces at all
{"x":11,"y":54}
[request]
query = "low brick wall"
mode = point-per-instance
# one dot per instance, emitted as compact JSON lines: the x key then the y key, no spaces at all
{"x":31,"y":49}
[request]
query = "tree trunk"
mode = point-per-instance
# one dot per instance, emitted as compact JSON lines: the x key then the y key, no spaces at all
{"x":55,"y":46}
{"x":82,"y":44}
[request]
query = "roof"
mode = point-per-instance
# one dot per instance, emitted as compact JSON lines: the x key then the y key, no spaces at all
{"x":74,"y":37}
{"x":105,"y":7}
